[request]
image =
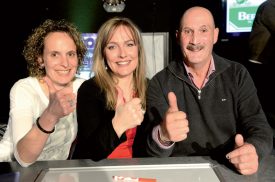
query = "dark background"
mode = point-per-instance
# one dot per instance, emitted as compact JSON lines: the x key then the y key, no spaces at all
{"x":21,"y":17}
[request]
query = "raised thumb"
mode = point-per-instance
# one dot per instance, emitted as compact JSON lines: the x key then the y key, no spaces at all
{"x":120,"y":98}
{"x":173,"y":106}
{"x":239,"y":141}
{"x":50,"y":85}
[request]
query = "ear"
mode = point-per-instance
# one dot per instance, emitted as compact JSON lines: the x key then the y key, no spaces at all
{"x":40,"y":62}
{"x":216,"y":35}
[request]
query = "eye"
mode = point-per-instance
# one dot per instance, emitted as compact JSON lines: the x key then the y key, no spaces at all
{"x":72,"y":54}
{"x":187,"y":31}
{"x":53,"y":54}
{"x":204,"y":30}
{"x":111,"y":47}
{"x":130,"y":43}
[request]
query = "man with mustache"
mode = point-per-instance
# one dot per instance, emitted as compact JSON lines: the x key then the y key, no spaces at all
{"x":206,"y":105}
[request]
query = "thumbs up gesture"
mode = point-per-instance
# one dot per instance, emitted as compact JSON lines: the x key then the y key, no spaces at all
{"x":61,"y":102}
{"x":244,"y":157}
{"x":175,"y":124}
{"x":128,"y":114}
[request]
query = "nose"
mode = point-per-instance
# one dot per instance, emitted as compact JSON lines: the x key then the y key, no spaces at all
{"x":64,"y":61}
{"x":122,"y":52}
{"x":194,"y":38}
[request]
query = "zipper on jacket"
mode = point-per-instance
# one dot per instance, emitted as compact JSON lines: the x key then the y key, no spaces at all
{"x":193,"y":85}
{"x":199,"y":93}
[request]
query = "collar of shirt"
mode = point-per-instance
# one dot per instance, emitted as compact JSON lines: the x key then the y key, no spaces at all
{"x":211,"y":69}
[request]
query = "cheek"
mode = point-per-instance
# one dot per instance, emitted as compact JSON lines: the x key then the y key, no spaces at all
{"x":74,"y":62}
{"x":111,"y":57}
{"x":133,"y":53}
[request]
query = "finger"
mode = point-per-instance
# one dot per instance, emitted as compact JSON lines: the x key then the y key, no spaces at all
{"x":173,"y":106}
{"x":120,"y":98}
{"x":136,"y":101}
{"x":50,"y":85}
{"x":239,"y":141}
{"x":240,"y":148}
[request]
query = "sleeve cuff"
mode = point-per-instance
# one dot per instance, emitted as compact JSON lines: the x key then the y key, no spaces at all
{"x":156,"y":137}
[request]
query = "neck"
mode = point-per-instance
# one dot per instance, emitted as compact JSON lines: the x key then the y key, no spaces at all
{"x":127,"y":86}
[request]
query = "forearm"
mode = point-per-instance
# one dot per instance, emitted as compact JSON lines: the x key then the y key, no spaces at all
{"x":31,"y":145}
{"x":155,"y":147}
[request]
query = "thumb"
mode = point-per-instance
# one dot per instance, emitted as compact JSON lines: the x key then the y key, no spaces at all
{"x":239,"y":141}
{"x":120,"y":99}
{"x":173,"y":106}
{"x":51,"y":87}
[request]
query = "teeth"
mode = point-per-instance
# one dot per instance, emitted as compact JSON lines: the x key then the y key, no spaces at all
{"x":64,"y":71}
{"x":123,"y":62}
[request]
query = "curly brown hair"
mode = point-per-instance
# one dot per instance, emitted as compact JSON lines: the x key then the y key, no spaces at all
{"x":35,"y":44}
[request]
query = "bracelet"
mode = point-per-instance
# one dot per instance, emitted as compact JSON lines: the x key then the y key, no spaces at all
{"x":41,"y":129}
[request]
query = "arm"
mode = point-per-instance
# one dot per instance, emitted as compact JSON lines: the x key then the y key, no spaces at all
{"x":26,"y":104}
{"x":99,"y":127}
{"x":170,"y":124}
{"x":95,"y":128}
{"x":255,"y":141}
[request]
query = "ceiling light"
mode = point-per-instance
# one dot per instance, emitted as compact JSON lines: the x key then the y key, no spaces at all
{"x":114,"y":5}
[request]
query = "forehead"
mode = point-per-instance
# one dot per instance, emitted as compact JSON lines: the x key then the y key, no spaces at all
{"x":59,"y":41}
{"x":121,"y":32}
{"x":197,"y":17}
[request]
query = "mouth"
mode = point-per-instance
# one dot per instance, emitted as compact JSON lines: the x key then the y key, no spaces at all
{"x":63,"y":71}
{"x":122,"y":62}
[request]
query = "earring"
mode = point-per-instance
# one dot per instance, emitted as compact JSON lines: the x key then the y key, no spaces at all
{"x":41,"y":66}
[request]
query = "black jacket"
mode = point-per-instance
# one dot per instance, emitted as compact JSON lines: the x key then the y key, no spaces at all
{"x":226,"y":105}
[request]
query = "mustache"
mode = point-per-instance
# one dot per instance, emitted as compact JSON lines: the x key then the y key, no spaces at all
{"x":193,"y":47}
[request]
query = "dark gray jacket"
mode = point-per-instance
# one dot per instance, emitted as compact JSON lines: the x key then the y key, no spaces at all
{"x":227,"y":105}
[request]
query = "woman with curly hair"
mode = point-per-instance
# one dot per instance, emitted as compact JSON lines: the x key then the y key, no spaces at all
{"x":42,"y":120}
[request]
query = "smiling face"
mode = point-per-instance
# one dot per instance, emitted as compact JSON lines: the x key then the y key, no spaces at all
{"x":197,"y":35}
{"x":122,"y":53}
{"x":59,"y":58}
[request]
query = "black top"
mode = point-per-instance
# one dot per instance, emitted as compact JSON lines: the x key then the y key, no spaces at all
{"x":96,"y":137}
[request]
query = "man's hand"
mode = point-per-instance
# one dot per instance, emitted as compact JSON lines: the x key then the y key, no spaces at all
{"x":175,"y":124}
{"x":244,"y":157}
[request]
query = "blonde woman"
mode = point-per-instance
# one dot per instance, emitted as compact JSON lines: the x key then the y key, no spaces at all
{"x":110,"y":106}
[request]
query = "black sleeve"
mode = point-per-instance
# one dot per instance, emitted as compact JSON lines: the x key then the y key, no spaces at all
{"x":96,"y":137}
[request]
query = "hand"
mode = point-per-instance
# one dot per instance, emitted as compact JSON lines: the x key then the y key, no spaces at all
{"x":244,"y":157}
{"x":61,"y":102}
{"x":128,"y":115}
{"x":175,"y":124}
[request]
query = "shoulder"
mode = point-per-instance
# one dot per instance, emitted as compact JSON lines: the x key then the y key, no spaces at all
{"x":222,"y":64}
{"x":229,"y":68}
{"x":25,"y":89}
{"x":89,"y":86}
{"x":28,"y":83}
{"x":76,"y":83}
{"x":175,"y":70}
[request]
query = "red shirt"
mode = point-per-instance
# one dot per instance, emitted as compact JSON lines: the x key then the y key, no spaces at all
{"x":124,"y":150}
